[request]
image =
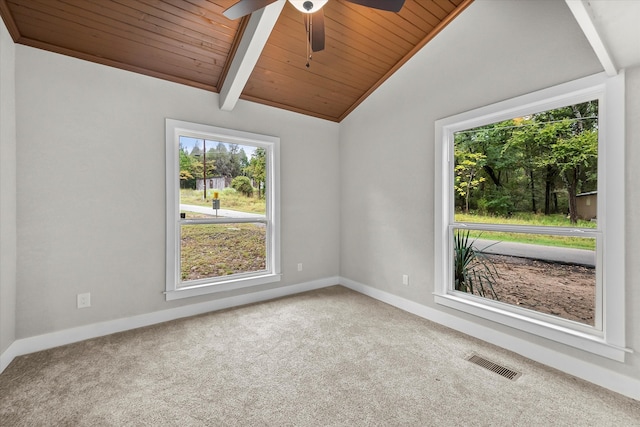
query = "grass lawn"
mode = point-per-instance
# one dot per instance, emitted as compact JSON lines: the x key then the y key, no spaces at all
{"x":229,"y":199}
{"x":534,"y":220}
{"x":215,"y":250}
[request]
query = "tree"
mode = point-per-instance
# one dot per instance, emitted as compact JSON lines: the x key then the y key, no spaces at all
{"x":570,"y":120}
{"x":491,"y":195}
{"x":196,"y":164}
{"x":466,"y":173}
{"x":573,"y":155}
{"x":256,"y":169}
{"x":244,"y":160}
{"x":526,"y":145}
{"x":490,"y":140}
{"x":512,"y":165}
{"x":571,"y":135}
{"x":186,"y":177}
{"x":221,"y":158}
{"x":235,"y":159}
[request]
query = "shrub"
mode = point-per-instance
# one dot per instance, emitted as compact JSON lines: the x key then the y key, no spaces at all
{"x":474,"y":273}
{"x":498,"y":203}
{"x":242,"y":184}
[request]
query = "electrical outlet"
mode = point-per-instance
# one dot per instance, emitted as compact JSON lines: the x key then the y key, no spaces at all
{"x":299,"y":266}
{"x":405,"y":279}
{"x":84,"y":300}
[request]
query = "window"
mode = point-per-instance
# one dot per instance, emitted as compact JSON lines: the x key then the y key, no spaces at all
{"x":225,"y":235}
{"x":531,"y":230}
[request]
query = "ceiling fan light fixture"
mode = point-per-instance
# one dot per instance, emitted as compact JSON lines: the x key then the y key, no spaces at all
{"x":308,"y":6}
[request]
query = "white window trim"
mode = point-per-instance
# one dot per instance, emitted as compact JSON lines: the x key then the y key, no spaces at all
{"x":173,"y":130}
{"x":607,"y":339}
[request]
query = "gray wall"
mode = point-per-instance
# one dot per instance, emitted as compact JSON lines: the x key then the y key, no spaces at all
{"x":494,"y":51}
{"x":632,"y":227}
{"x":77,"y":121}
{"x":7,"y":191}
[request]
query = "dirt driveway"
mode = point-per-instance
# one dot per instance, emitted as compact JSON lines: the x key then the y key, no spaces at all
{"x":567,"y":291}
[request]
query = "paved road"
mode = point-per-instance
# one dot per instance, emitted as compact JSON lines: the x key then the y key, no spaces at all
{"x":545,"y":253}
{"x":221,"y":212}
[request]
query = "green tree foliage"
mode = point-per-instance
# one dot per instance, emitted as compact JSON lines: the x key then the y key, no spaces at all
{"x":187,"y":179}
{"x":256,"y":169}
{"x":242,"y":184}
{"x":222,"y":160}
{"x":229,"y":161}
{"x":195,"y":164}
{"x":516,"y":164}
{"x":573,"y":154}
{"x":467,"y":174}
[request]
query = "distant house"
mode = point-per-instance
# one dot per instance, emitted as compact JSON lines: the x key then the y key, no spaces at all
{"x":218,"y":182}
{"x":587,"y":205}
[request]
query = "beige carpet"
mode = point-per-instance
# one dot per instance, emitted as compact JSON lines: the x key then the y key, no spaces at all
{"x":330,"y":357}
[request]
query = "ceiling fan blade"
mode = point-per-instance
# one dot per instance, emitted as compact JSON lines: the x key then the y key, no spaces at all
{"x":245,"y":7}
{"x":388,"y":5}
{"x":317,"y":31}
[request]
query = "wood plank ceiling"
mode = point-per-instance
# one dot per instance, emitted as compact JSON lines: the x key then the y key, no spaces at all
{"x":191,"y":42}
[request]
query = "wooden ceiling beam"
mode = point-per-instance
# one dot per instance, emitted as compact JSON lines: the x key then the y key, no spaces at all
{"x":246,"y":56}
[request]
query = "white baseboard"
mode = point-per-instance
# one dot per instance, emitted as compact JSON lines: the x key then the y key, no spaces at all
{"x":81,"y":333}
{"x":596,"y":374}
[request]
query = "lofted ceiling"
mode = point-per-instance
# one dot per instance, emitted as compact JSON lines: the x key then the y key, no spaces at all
{"x":192,"y":43}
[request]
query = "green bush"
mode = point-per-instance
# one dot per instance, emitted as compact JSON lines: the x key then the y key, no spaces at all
{"x":242,"y":184}
{"x":229,"y":191}
{"x":496,"y":205}
{"x":474,"y":272}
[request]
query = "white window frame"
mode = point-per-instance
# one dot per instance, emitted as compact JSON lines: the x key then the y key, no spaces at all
{"x":607,"y":337}
{"x":175,"y":289}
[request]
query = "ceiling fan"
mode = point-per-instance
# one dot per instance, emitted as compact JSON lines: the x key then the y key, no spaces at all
{"x":314,"y":17}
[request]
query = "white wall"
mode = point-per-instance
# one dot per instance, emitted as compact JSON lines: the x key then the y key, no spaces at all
{"x":494,"y":51}
{"x":91,"y":208}
{"x":7,"y":190}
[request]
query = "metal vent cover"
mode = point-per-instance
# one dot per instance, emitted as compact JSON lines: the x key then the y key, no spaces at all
{"x":494,"y":367}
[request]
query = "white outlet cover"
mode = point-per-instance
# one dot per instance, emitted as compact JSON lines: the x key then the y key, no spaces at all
{"x":84,"y":300}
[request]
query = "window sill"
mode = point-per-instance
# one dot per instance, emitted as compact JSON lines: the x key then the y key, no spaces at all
{"x":227,"y":285}
{"x":584,"y":341}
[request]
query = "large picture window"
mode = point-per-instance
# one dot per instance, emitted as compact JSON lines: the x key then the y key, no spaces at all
{"x":222,"y":209}
{"x":532,"y":195}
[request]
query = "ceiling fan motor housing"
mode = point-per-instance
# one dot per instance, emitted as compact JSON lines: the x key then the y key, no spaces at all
{"x":307,"y":6}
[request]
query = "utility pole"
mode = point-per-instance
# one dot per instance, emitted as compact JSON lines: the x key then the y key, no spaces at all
{"x":204,"y":167}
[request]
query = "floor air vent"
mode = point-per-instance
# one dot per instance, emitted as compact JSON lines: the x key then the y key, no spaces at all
{"x":494,"y":367}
